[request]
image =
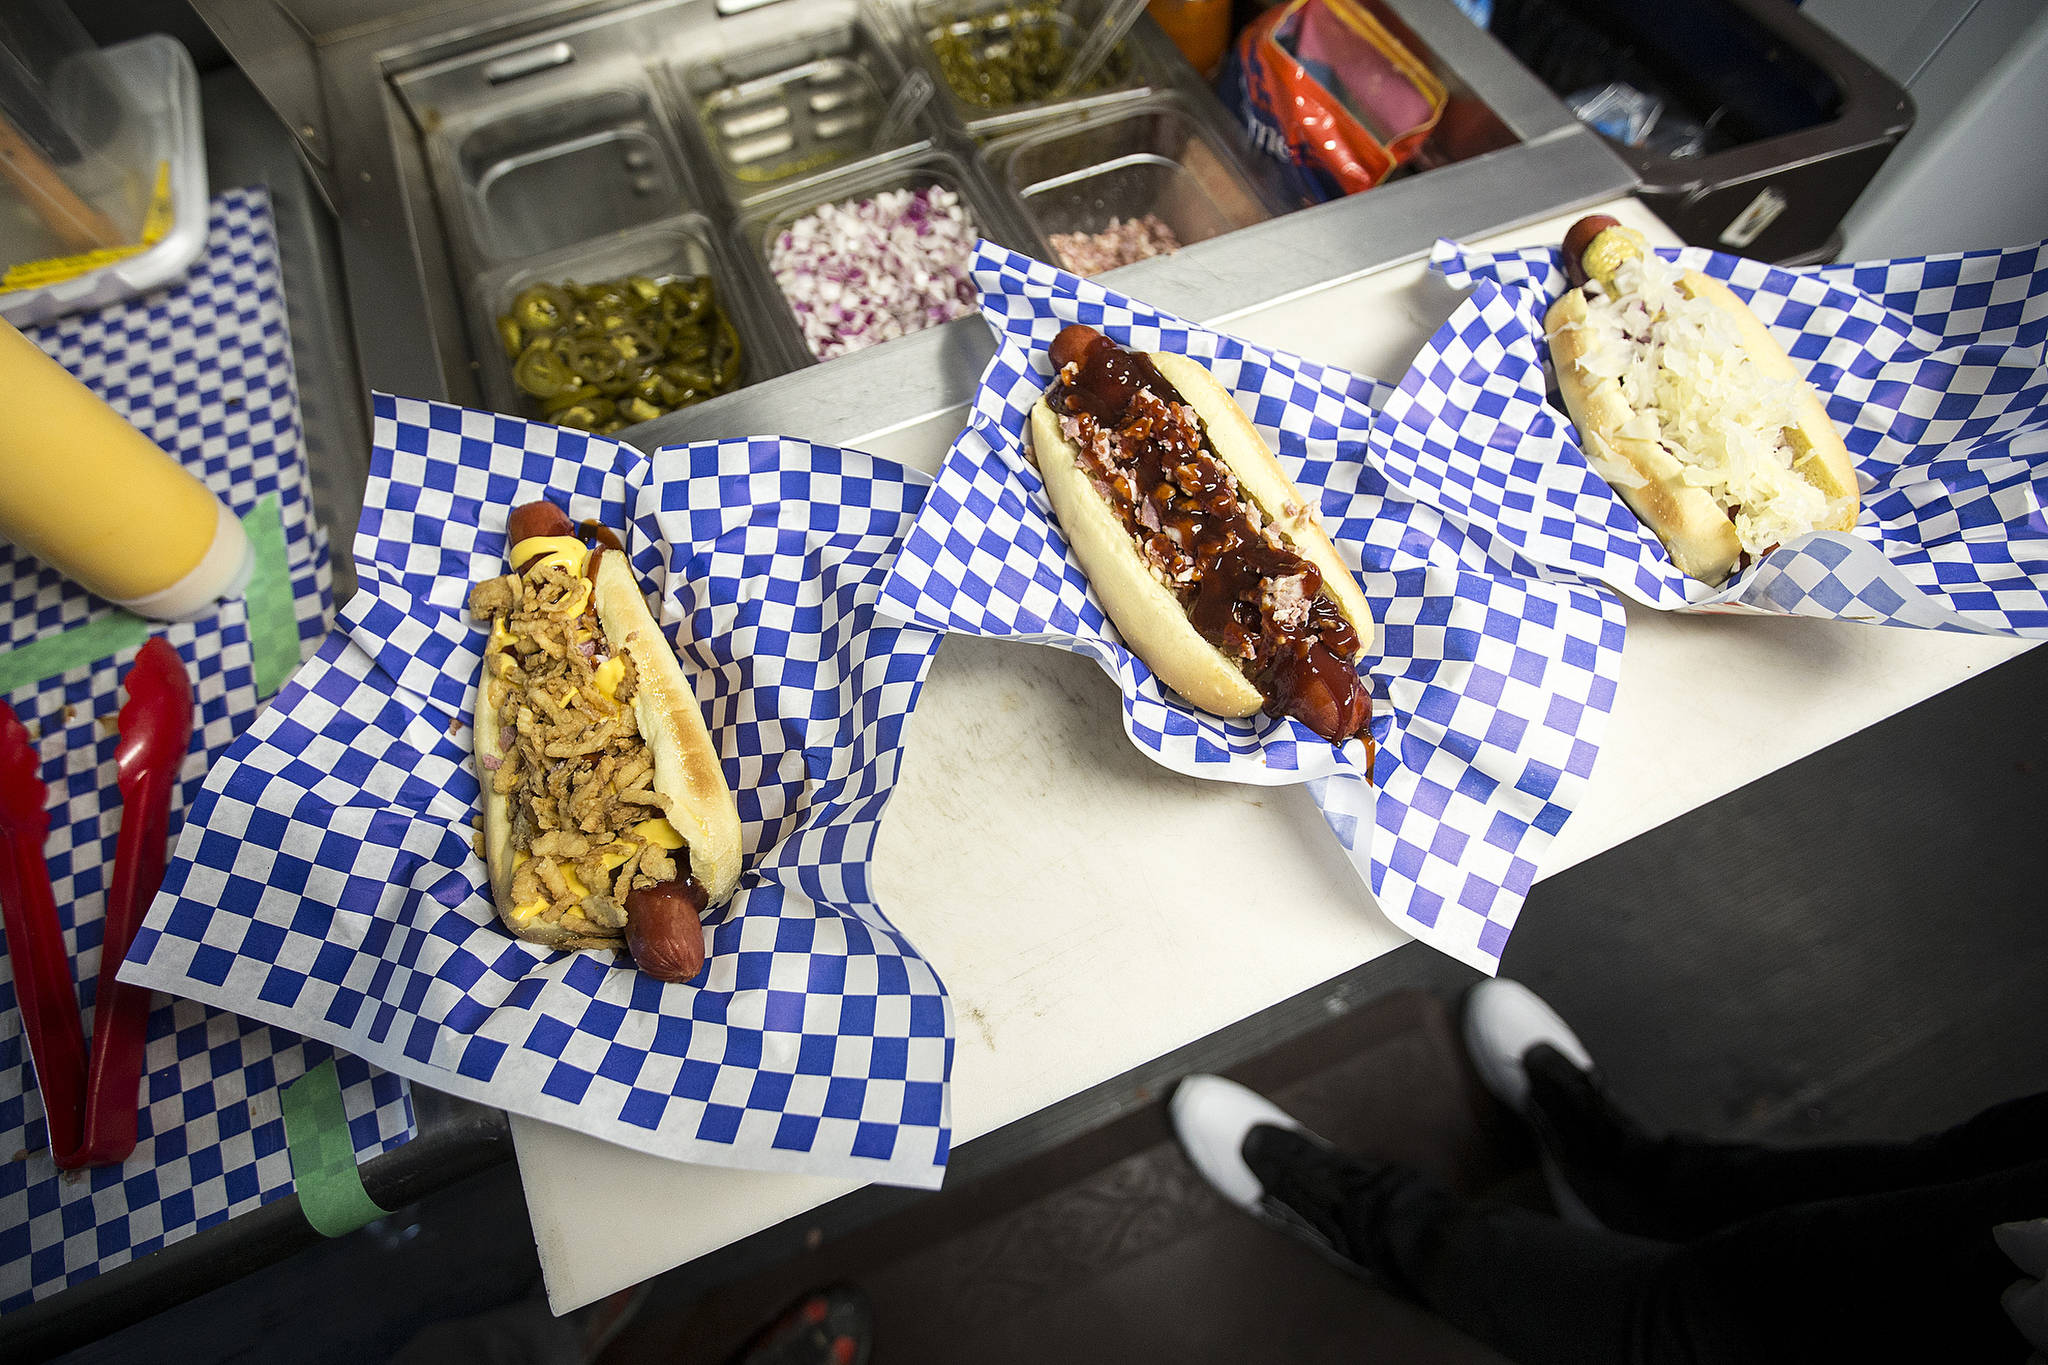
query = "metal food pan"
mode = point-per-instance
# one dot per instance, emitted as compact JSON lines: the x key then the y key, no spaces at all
{"x":1158,"y":156}
{"x":682,"y":246}
{"x":779,"y":97}
{"x":1152,"y":62}
{"x":758,"y":228}
{"x":550,"y":174}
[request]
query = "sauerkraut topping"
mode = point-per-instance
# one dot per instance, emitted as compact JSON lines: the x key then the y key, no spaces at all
{"x":1681,"y":367}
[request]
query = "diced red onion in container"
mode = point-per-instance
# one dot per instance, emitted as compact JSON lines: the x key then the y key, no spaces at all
{"x":866,"y":270}
{"x":1123,"y":242}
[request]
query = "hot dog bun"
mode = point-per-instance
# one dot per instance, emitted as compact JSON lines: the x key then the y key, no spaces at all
{"x":1701,"y":528}
{"x":1137,"y":596}
{"x":687,"y":787}
{"x":686,"y":768}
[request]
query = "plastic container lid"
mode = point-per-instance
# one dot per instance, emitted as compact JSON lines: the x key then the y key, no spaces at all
{"x":165,"y":90}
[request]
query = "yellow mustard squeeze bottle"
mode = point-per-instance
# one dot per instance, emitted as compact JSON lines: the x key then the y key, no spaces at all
{"x":94,"y":498}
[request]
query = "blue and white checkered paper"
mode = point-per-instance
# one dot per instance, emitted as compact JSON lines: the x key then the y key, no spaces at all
{"x":1490,"y":687}
{"x":1930,"y":367}
{"x":327,"y":881}
{"x":204,"y":369}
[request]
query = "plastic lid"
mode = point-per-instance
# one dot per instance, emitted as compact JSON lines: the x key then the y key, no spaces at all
{"x":223,"y":571}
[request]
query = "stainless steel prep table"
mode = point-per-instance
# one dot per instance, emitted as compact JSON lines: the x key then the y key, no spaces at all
{"x":372,"y":86}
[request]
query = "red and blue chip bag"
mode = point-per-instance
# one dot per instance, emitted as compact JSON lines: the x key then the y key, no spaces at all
{"x":1325,"y":88}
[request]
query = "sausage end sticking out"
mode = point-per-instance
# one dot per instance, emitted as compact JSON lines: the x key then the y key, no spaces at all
{"x":541,"y":518}
{"x":1323,"y":692}
{"x":1072,"y":344}
{"x":665,"y":931}
{"x":1596,"y":247}
{"x":1579,"y":241}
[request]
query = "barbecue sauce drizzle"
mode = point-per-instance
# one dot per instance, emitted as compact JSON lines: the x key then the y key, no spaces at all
{"x":1181,"y":504}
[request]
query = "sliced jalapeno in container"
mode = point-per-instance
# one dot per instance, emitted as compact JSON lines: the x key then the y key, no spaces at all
{"x":542,"y":371}
{"x":569,"y":398}
{"x":725,"y":355}
{"x":613,"y":353}
{"x":542,"y":308}
{"x":592,"y":359}
{"x":586,"y":416}
{"x":691,"y":374}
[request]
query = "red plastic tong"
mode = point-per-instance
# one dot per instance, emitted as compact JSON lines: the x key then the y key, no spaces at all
{"x":91,"y":1107}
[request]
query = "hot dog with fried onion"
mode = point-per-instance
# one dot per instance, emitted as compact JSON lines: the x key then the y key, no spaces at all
{"x":607,"y":822}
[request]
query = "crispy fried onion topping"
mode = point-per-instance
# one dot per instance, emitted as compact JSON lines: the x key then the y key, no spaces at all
{"x":572,"y":764}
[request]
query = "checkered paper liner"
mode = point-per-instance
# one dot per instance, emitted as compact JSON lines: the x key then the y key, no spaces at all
{"x":1490,"y":687}
{"x":205,"y":370}
{"x":327,"y":881}
{"x":1930,"y":367}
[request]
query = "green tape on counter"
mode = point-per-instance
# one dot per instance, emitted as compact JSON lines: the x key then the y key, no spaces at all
{"x":273,"y":625}
{"x":273,"y":628}
{"x":87,"y":644}
{"x":331,"y":1192}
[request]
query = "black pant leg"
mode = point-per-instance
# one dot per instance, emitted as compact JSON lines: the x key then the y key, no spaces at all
{"x":1906,"y":1274}
{"x":1539,"y":1291}
{"x":1680,"y":1187}
{"x":1909,"y":1274}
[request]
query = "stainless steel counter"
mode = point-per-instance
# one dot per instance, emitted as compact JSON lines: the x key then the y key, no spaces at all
{"x":370,"y":146}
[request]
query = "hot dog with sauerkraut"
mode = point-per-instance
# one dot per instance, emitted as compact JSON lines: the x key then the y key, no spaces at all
{"x":1689,"y":409}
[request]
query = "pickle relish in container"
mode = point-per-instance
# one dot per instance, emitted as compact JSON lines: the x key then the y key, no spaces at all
{"x":1015,"y":56}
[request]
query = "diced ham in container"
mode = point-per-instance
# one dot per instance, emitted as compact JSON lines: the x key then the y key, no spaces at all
{"x":1124,"y":241}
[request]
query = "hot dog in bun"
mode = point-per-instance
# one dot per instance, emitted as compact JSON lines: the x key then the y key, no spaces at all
{"x":1689,"y":409}
{"x":607,"y":822}
{"x":1211,"y":563}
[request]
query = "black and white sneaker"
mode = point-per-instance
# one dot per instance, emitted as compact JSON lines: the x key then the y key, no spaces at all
{"x":1258,"y":1157}
{"x":1503,"y":1020}
{"x":1533,"y":1063}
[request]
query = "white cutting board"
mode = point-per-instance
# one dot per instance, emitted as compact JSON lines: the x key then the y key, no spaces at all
{"x":1089,"y":910}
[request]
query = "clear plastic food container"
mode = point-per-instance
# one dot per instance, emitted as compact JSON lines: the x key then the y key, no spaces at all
{"x":760,"y":229}
{"x":1154,"y":159}
{"x":158,"y":189}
